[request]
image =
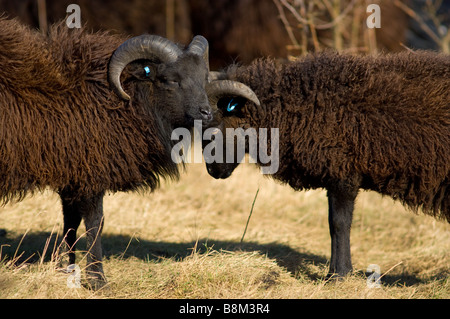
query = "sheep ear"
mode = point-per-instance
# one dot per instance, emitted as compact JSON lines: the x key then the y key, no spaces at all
{"x":214,"y":76}
{"x":199,"y":46}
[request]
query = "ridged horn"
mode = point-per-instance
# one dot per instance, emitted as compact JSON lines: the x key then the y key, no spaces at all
{"x":199,"y":46}
{"x":140,"y":47}
{"x":221,"y":88}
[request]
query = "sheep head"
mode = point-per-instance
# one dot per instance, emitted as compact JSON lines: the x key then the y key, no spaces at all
{"x":229,"y":101}
{"x":163,"y":76}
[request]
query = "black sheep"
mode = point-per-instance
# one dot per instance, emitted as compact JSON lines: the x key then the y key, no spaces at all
{"x":63,"y":128}
{"x":346,"y":123}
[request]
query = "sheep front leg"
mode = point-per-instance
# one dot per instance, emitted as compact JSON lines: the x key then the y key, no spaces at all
{"x":72,"y":220}
{"x":90,"y":209}
{"x":93,"y":220}
{"x":341,"y":199}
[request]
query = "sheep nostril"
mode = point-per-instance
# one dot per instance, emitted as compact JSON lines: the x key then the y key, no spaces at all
{"x":207,"y":115}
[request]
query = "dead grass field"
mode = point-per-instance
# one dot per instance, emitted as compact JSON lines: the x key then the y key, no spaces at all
{"x":183,"y":241}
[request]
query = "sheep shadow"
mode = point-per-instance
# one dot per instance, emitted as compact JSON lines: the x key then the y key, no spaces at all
{"x":286,"y":257}
{"x":35,"y":246}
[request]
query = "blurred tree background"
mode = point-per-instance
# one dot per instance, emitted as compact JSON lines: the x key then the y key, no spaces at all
{"x":242,"y":30}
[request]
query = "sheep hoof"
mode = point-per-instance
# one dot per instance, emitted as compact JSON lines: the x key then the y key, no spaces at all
{"x":96,"y":284}
{"x":96,"y":281}
{"x":333,"y":277}
{"x":336,"y":277}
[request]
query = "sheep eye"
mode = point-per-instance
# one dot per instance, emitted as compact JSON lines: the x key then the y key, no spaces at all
{"x":147,"y":71}
{"x":231,"y":106}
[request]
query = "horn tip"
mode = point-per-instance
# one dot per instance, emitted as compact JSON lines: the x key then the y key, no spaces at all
{"x":200,"y":37}
{"x":124,"y":96}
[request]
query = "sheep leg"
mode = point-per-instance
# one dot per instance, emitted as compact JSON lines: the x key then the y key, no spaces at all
{"x":72,"y":220}
{"x":90,"y":209}
{"x":341,"y":199}
{"x":93,"y":220}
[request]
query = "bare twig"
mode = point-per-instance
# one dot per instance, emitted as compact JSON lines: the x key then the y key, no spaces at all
{"x":419,"y":20}
{"x":294,"y":12}
{"x":338,"y":18}
{"x":328,"y":25}
{"x":405,"y":47}
{"x":287,"y":26}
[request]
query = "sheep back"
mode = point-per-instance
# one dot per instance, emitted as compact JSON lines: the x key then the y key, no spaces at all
{"x":381,"y":122}
{"x":60,"y":124}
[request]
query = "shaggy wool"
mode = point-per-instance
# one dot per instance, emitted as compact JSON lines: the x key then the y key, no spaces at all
{"x":379,"y":122}
{"x":60,"y":124}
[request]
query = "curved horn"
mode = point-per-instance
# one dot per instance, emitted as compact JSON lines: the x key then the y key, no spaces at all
{"x":199,"y":46}
{"x":220,"y":88}
{"x":140,"y":47}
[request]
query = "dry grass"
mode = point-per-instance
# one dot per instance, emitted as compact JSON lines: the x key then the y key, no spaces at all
{"x":183,"y":241}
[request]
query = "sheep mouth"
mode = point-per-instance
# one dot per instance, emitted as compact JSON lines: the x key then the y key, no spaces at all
{"x":203,"y":115}
{"x":206,"y":115}
{"x":218,"y":174}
